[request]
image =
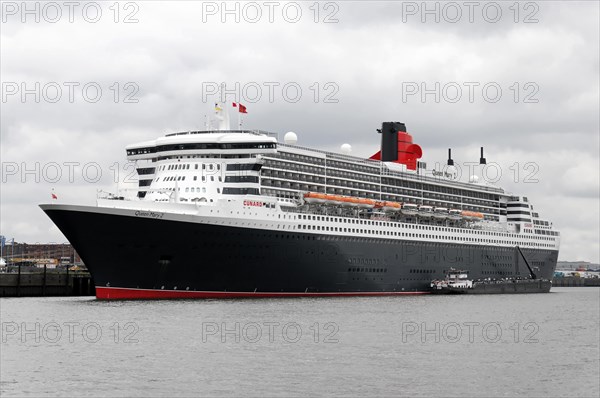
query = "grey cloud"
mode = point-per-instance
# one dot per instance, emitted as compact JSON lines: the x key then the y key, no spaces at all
{"x":369,"y":54}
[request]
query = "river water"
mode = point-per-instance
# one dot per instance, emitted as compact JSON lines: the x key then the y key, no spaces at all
{"x":495,"y":345}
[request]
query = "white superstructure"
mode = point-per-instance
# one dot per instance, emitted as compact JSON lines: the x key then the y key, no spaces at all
{"x":212,"y":170}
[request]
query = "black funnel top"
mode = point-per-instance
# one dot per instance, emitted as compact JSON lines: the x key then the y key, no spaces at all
{"x":389,"y":140}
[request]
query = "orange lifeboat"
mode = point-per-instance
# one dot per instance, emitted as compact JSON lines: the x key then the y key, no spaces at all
{"x":472,"y":215}
{"x":366,"y":203}
{"x":323,"y":198}
{"x":348,"y":201}
{"x":336,"y":199}
{"x":314,"y":197}
{"x":392,"y":206}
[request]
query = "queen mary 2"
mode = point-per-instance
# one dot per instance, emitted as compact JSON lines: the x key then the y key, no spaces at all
{"x":234,"y":213}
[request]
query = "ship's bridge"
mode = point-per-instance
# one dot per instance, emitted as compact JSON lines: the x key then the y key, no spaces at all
{"x":232,"y":142}
{"x":201,"y":165}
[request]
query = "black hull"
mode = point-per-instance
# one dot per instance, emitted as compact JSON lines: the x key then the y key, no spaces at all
{"x":131,"y":252}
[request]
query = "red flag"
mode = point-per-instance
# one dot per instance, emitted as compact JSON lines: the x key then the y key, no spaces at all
{"x":54,"y":196}
{"x":242,"y":109}
{"x":234,"y":105}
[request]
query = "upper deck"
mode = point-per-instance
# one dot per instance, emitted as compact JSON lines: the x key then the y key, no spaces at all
{"x":207,"y":165}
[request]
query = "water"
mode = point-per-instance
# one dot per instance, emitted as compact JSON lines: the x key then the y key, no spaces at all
{"x":534,"y":345}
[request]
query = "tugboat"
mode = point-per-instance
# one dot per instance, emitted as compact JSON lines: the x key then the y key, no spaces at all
{"x":458,"y":282}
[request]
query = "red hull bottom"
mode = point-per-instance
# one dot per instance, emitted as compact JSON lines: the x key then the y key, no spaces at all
{"x":118,"y":293}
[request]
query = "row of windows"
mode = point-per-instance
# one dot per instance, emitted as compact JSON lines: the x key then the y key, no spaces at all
{"x":523,"y":205}
{"x":497,"y":257}
{"x":146,"y":170}
{"x":190,"y":189}
{"x":361,"y":167}
{"x":173,"y":178}
{"x":375,"y":170}
{"x":248,"y":179}
{"x":244,"y":166}
{"x":465,"y":196}
{"x":347,"y":175}
{"x":376,"y":270}
{"x":382,"y":241}
{"x":213,"y":156}
{"x":416,"y":235}
{"x":357,"y":181}
{"x":394,"y":224}
{"x":518,"y":219}
{"x":429,"y":236}
{"x":441,"y":189}
{"x":349,"y":187}
{"x":498,"y":273}
{"x":196,"y":189}
{"x":466,"y":239}
{"x":295,"y":186}
{"x":310,"y":168}
{"x":201,"y":146}
{"x":186,"y":166}
{"x":240,"y":191}
{"x":503,"y":265}
{"x":364,"y":261}
{"x":545,"y":232}
{"x":292,"y":176}
{"x":352,"y":165}
{"x":183,"y":178}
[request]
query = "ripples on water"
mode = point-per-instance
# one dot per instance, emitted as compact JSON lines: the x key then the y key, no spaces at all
{"x":506,"y":345}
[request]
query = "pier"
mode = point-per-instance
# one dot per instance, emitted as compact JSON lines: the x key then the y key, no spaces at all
{"x":46,"y":282}
{"x":574,"y":281}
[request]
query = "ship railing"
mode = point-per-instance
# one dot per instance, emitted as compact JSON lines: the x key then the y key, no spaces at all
{"x":124,"y":193}
{"x":254,"y":132}
{"x":367,"y":214}
{"x":101,"y":194}
{"x":336,"y":156}
{"x":384,"y":171}
{"x":423,"y":178}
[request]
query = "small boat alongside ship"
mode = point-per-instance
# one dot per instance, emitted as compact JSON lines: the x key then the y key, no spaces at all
{"x":458,"y":282}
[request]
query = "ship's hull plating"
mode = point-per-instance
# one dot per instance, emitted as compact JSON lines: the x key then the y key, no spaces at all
{"x":134,"y":257}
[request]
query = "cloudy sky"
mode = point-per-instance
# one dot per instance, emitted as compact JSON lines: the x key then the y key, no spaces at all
{"x":521,"y":79}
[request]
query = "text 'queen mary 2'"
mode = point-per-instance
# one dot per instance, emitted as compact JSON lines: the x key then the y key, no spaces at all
{"x":234,"y":213}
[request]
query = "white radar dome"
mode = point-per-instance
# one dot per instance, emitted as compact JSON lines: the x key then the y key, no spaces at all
{"x":346,"y":149}
{"x":474,"y":179}
{"x":290,"y":138}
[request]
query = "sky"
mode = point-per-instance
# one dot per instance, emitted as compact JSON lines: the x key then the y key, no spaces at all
{"x":82,"y":80}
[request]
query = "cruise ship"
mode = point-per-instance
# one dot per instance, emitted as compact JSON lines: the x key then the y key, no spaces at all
{"x":225,"y":213}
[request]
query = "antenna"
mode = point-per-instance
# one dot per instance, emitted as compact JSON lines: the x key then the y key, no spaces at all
{"x":450,"y":161}
{"x":482,"y":159}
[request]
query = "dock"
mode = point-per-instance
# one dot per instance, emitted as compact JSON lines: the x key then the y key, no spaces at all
{"x":574,"y":281}
{"x":46,"y":282}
